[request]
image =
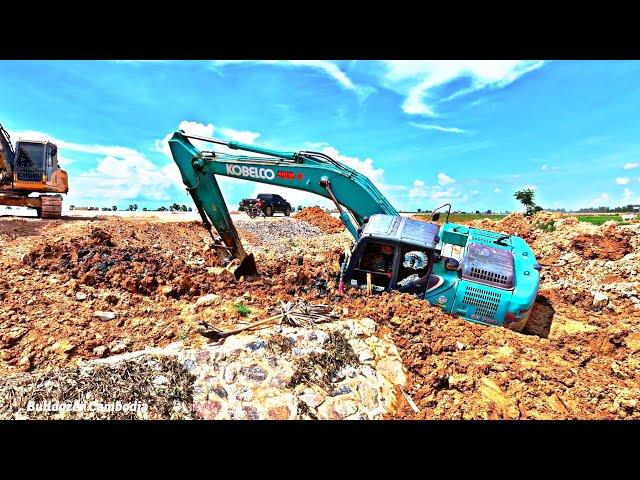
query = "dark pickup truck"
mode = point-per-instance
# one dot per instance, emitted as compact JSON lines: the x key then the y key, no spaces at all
{"x":269,"y":204}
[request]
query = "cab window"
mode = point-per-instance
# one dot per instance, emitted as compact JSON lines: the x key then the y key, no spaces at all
{"x":377,"y":257}
{"x":49,"y":158}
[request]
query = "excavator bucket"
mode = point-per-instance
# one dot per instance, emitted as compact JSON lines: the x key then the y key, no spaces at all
{"x":247,"y":267}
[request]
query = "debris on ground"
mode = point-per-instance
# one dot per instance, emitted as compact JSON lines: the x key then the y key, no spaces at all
{"x":142,"y":388}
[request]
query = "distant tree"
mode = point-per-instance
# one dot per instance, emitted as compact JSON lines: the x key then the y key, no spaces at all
{"x":104,"y":209}
{"x":189,"y":209}
{"x":488,"y":212}
{"x":526,"y":198}
{"x":419,"y":210}
{"x":114,"y":208}
{"x":71,"y":207}
{"x":477,"y":212}
{"x":145,"y":209}
{"x":183,"y":208}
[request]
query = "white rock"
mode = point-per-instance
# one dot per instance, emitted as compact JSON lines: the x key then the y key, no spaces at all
{"x":311,"y":398}
{"x":104,"y":316}
{"x":118,"y":348}
{"x":600,"y":299}
{"x":365,"y":355}
{"x":100,"y":351}
{"x":208,"y":299}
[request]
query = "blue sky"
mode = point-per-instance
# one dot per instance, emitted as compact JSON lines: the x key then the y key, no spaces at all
{"x":426,"y":132}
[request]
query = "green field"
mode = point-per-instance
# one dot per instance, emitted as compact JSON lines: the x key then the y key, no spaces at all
{"x":600,"y":219}
{"x":462,"y":217}
{"x":467,"y":217}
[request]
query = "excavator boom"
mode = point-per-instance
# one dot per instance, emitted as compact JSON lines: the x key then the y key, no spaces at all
{"x":308,"y":171}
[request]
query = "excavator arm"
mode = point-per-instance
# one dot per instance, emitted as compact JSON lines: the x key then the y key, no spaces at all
{"x":308,"y":171}
{"x":6,"y":156}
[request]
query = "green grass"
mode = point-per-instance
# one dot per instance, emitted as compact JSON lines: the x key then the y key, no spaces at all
{"x":462,"y":217}
{"x":242,"y":309}
{"x":546,"y":227}
{"x":467,"y":217}
{"x":600,"y":219}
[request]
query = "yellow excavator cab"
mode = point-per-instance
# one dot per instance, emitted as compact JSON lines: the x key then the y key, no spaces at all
{"x":32,"y":167}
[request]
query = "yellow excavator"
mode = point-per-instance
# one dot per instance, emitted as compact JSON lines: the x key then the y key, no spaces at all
{"x":31,"y":167}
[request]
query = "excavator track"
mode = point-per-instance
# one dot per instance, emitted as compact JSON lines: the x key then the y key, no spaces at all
{"x":51,"y":207}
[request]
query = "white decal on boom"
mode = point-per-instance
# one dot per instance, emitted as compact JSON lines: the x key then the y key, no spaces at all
{"x":253,"y":172}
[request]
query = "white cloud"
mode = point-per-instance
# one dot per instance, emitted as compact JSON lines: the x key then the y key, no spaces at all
{"x":365,"y":167}
{"x":418,"y":78}
{"x":600,"y":201}
{"x":74,"y":147}
{"x":418,"y":190}
{"x":327,"y":67}
{"x":627,"y":196}
{"x":444,"y":179}
{"x":449,"y":193}
{"x":315,"y":144}
{"x":529,"y":187}
{"x":437,"y":127}
{"x":126,"y":178}
{"x":242,"y":136}
{"x":622,"y":180}
{"x":630,"y":166}
{"x":497,"y":190}
{"x":548,"y":168}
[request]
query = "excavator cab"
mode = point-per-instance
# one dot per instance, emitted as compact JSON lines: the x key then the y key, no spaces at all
{"x":31,"y":167}
{"x":392,"y":253}
{"x":34,"y":162}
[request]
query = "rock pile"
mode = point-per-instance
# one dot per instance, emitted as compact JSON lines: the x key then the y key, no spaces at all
{"x":332,"y":371}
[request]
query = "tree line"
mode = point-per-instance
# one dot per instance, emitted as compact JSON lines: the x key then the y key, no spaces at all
{"x":134,"y":207}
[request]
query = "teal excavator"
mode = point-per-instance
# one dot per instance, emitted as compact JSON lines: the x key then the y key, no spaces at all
{"x":482,"y":276}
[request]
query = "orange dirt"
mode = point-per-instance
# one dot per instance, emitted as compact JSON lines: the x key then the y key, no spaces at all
{"x":321,"y":219}
{"x":611,"y":245}
{"x":578,"y":357}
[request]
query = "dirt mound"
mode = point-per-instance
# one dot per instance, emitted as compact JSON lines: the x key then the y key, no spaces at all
{"x":519,"y":224}
{"x":613,"y":244}
{"x":463,"y":370}
{"x":124,"y":259}
{"x":147,"y":276}
{"x":321,"y":219}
